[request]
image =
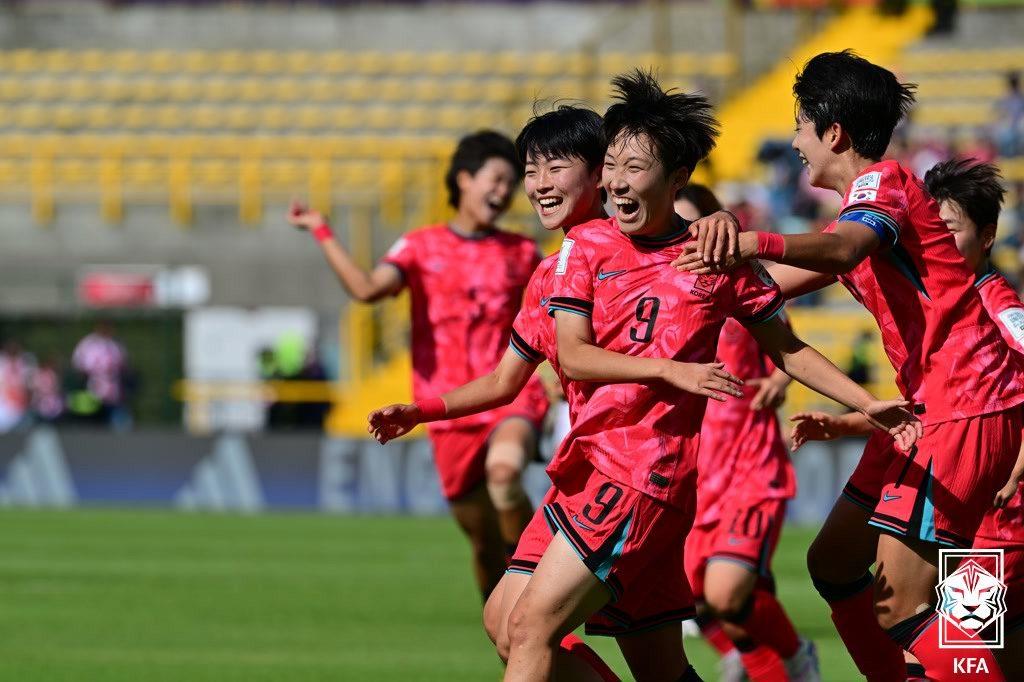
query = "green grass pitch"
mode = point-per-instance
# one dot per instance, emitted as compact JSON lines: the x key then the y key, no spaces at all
{"x":155,"y":595}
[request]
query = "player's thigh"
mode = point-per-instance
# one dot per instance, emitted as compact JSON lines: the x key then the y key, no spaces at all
{"x":728,"y":585}
{"x":906,"y":572}
{"x":846,"y":545}
{"x":656,"y":655}
{"x":511,"y":446}
{"x":559,"y":597}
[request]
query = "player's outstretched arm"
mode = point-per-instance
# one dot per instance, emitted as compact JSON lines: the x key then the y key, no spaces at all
{"x":812,"y":369}
{"x":771,"y":390}
{"x":809,"y":426}
{"x":1010,"y":489}
{"x":834,"y":253}
{"x":494,"y":389}
{"x":383,"y":280}
{"x":581,"y":360}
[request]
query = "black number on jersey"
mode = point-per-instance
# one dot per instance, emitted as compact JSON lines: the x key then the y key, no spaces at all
{"x":647,"y":314}
{"x":608,"y":495}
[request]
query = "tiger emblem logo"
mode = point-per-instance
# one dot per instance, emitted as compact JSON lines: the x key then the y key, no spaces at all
{"x":971,"y":598}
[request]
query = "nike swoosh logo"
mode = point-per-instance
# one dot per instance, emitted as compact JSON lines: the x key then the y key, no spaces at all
{"x":886,"y":497}
{"x":602,"y":275}
{"x":736,"y":541}
{"x":576,"y":520}
{"x":544,"y":301}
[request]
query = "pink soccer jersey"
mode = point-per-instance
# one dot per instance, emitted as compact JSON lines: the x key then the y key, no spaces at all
{"x":948,"y":355}
{"x":465,"y":295}
{"x":1004,"y":306}
{"x":741,"y":450}
{"x":646,"y":435}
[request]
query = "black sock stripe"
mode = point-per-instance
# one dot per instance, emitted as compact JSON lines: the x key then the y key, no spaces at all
{"x":831,"y":592}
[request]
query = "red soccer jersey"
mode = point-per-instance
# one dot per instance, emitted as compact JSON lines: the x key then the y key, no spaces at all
{"x":533,"y":334}
{"x":465,"y":294}
{"x":646,"y":435}
{"x":1004,"y":306}
{"x":741,"y":450}
{"x":949,"y":357}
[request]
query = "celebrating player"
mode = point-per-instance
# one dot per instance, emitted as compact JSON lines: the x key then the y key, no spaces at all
{"x":892,"y":250}
{"x":466,"y":280}
{"x":970,"y":197}
{"x":744,"y":480}
{"x":608,"y":545}
{"x":562,"y":152}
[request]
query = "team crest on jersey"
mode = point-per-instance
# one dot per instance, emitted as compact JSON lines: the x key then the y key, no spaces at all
{"x":563,"y":256}
{"x":872,"y":180}
{"x":972,"y":599}
{"x":863,"y":195}
{"x":704,"y":286}
{"x":1013,"y":320}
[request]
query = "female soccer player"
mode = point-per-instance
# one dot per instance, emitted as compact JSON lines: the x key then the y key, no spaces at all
{"x":466,"y":279}
{"x":609,"y":542}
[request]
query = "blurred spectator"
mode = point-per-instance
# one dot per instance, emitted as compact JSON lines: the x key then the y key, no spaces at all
{"x":103,"y":361}
{"x":47,"y":391}
{"x":1009,"y":127}
{"x":15,"y":375}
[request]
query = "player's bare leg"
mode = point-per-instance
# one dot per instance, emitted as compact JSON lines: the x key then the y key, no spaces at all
{"x":511,"y":446}
{"x":478,"y":520}
{"x":559,"y":596}
{"x":839,"y":561}
{"x":907,"y":571}
{"x":655,"y":655}
{"x":574,"y":659}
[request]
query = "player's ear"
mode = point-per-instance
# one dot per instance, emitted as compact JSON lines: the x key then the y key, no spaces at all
{"x":834,"y":137}
{"x":987,"y":236}
{"x":462,"y":179}
{"x":679,"y":178}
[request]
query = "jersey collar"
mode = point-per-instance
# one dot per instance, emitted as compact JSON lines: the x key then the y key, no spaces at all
{"x":676,"y":236}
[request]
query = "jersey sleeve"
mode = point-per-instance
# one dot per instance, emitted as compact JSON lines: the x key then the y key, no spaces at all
{"x":402,"y":255}
{"x":1006,"y":309}
{"x":757,"y":298}
{"x":573,"y":289}
{"x":878,"y":201}
{"x":525,"y":340}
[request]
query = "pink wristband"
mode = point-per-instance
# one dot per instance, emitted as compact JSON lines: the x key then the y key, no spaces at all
{"x":322,"y":232}
{"x":432,"y":409}
{"x":770,"y":246}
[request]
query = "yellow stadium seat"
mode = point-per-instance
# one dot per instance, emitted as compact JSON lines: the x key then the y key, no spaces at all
{"x":58,"y":61}
{"x":99,"y":117}
{"x":275,"y":118}
{"x":287,"y":89}
{"x":66,"y":117}
{"x":450,"y":118}
{"x":183,"y":90}
{"x":720,"y":65}
{"x":219,"y":89}
{"x":231,"y":61}
{"x":6,"y":118}
{"x":391,"y":89}
{"x":321,"y":90}
{"x":300,"y":61}
{"x":334,"y":63}
{"x":45,"y":88}
{"x":509,"y":64}
{"x":310,"y":118}
{"x":31,"y":116}
{"x":440,"y":63}
{"x":147,"y":89}
{"x":25,"y":61}
{"x":462,"y":90}
{"x":168,"y":117}
{"x":162,"y":61}
{"x":427,"y":90}
{"x":544,"y":64}
{"x":577,"y":64}
{"x":475,"y":63}
{"x":197,"y":61}
{"x":240,"y":118}
{"x":80,"y":89}
{"x":379,"y":118}
{"x":12,"y":89}
{"x":125,"y":61}
{"x":205,"y":117}
{"x":355,"y":90}
{"x":344,"y":117}
{"x":112,"y":90}
{"x":253,"y":90}
{"x":415,"y":117}
{"x":370,"y":63}
{"x":266,"y":62}
{"x":498,"y":91}
{"x":403,"y":62}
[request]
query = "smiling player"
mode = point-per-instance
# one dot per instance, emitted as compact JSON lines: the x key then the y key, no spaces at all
{"x":624,"y":478}
{"x":890,"y":247}
{"x":466,"y":279}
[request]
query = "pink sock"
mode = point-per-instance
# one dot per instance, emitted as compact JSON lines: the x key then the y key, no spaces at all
{"x":920,"y":636}
{"x":769,"y":626}
{"x":761,"y":663}
{"x":714,"y":634}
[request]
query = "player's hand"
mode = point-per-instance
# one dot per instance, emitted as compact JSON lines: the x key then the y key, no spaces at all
{"x":1005,"y":493}
{"x":893,"y":417}
{"x":303,"y":217}
{"x":718,"y":245}
{"x":710,"y":379}
{"x":392,"y":421}
{"x":771,"y":392}
{"x":814,"y":426}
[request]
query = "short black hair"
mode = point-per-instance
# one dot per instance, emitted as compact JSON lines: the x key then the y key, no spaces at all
{"x":472,"y":152}
{"x":701,"y":197}
{"x":976,"y":187}
{"x":567,"y":132}
{"x":865,"y":99}
{"x":681,"y":126}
